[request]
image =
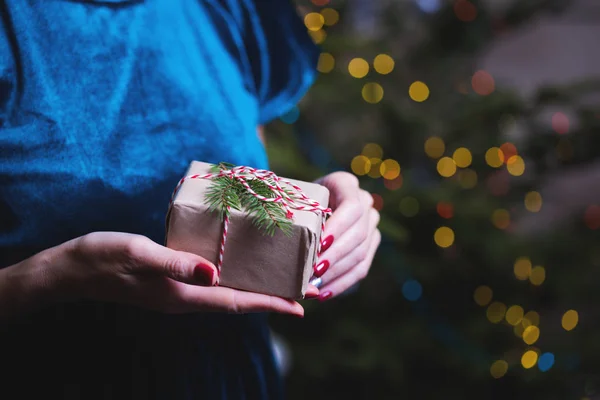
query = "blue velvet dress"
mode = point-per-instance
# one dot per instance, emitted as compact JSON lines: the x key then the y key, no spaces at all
{"x":103,"y":104}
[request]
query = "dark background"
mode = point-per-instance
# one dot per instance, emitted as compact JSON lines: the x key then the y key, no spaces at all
{"x":521,"y":76}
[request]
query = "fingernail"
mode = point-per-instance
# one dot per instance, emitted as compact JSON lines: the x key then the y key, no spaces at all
{"x":325,"y":295}
{"x":321,"y":268}
{"x":316,"y":282}
{"x":205,"y":274}
{"x":326,"y":243}
{"x":309,"y":296}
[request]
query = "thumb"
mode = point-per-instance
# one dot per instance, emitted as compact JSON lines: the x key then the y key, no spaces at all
{"x":180,"y":266}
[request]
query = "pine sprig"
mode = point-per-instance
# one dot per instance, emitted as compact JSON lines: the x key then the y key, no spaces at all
{"x":226,"y":191}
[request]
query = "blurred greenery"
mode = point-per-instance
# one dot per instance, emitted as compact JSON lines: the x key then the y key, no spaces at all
{"x":374,"y":342}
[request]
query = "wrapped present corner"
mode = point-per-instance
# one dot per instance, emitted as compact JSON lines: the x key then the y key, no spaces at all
{"x":263,"y":242}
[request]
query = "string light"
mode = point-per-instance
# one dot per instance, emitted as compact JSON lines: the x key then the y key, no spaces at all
{"x":358,"y":68}
{"x":531,"y":334}
{"x":462,"y":157}
{"x":495,"y":312}
{"x":444,"y":237}
{"x":374,"y":172}
{"x":372,"y":150}
{"x":529,"y":359}
{"x":531,"y":318}
{"x":494,"y":157}
{"x":482,"y":83}
{"x":418,"y":91}
{"x":372,"y":92}
{"x":499,"y":369}
{"x":434,"y":147}
{"x":514,"y":315}
{"x":330,"y":16}
{"x":569,"y":320}
{"x":326,"y":63}
{"x":390,"y":169}
{"x":533,"y":201}
{"x":314,"y":21}
{"x":446,"y":167}
{"x":318,"y":36}
{"x":515,"y":166}
{"x":538,"y":275}
{"x":383,"y":64}
{"x":483,"y":295}
{"x":501,"y":219}
{"x":522,"y":268}
{"x":360,"y":165}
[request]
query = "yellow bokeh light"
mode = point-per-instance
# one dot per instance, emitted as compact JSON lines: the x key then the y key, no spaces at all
{"x":330,"y":16}
{"x":358,"y":67}
{"x":372,"y":92}
{"x":446,"y":167}
{"x":531,"y":334}
{"x":522,"y":268}
{"x":383,"y":64}
{"x":494,"y":157}
{"x":372,"y":150}
{"x":318,"y":36}
{"x":570,"y":320}
{"x":361,"y":165}
{"x":531,"y":318}
{"x":418,"y":91}
{"x":529,"y":359}
{"x":538,"y":275}
{"x":499,"y":369}
{"x":434,"y":147}
{"x":483,"y":295}
{"x":518,"y":330}
{"x":467,"y":178}
{"x":374,"y":171}
{"x":314,"y":21}
{"x":533,"y":201}
{"x":444,"y":237}
{"x":462,"y":157}
{"x":495,"y":312}
{"x":390,"y":169}
{"x":514,"y":315}
{"x":326,"y":63}
{"x":515,"y":166}
{"x":409,"y":206}
{"x":501,"y":219}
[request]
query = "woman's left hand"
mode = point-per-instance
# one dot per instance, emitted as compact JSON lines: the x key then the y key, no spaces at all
{"x":350,"y":239}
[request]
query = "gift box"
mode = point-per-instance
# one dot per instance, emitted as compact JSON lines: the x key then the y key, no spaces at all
{"x":262,"y":232}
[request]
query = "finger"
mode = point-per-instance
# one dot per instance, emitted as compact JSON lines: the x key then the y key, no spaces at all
{"x":350,"y":249}
{"x":222,"y":299}
{"x":178,"y":265}
{"x":311,"y":291}
{"x":358,"y":273}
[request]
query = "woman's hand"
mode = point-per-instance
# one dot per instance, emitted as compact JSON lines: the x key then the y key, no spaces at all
{"x":351,"y":236}
{"x":132,"y":269}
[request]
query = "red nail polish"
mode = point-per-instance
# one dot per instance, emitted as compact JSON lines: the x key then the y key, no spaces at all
{"x":309,"y":296}
{"x":325,"y":295}
{"x":321,"y":268}
{"x":204,"y":274}
{"x":326,"y":243}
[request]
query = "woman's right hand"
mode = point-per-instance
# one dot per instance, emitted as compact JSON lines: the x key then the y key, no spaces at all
{"x":132,"y":269}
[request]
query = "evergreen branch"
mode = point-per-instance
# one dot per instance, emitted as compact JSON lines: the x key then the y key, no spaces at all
{"x":223,"y":193}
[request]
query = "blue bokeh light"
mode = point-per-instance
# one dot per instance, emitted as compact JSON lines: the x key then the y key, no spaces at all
{"x":412,"y":290}
{"x":546,"y":361}
{"x":429,"y":6}
{"x":291,"y":116}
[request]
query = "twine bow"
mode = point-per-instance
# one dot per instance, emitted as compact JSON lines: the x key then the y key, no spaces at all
{"x":289,"y":196}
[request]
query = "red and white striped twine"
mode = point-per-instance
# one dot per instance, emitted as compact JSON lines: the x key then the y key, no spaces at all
{"x":294,"y":200}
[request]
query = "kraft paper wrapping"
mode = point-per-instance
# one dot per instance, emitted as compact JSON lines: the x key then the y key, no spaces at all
{"x":278,"y":265}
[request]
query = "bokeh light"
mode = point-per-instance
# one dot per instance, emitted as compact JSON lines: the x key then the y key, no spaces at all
{"x":515,"y":166}
{"x":409,"y":206}
{"x":465,"y":10}
{"x":531,"y":334}
{"x":390,"y":169}
{"x":560,"y":123}
{"x":314,"y":21}
{"x":569,"y":320}
{"x":499,"y":369}
{"x":462,"y":157}
{"x":483,"y":295}
{"x":412,"y":290}
{"x":445,"y":210}
{"x":374,"y":171}
{"x":522,"y":268}
{"x":372,"y":92}
{"x":494,"y":157}
{"x":418,"y":91}
{"x":434,"y":147}
{"x":358,"y":67}
{"x":533,"y":201}
{"x":360,"y":165}
{"x":394,"y":184}
{"x":495,"y":312}
{"x":444,"y":236}
{"x":383,"y":64}
{"x":591,"y":218}
{"x":538,"y":275}
{"x":467,"y":178}
{"x":377,"y":201}
{"x":501,"y":218}
{"x":318,"y":36}
{"x":529,"y":359}
{"x":330,"y":16}
{"x":546,"y":361}
{"x":446,"y":167}
{"x":508,"y":150}
{"x":326,"y":63}
{"x":372,"y":150}
{"x":483,"y":83}
{"x":514,"y":315}
{"x":531,"y":318}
